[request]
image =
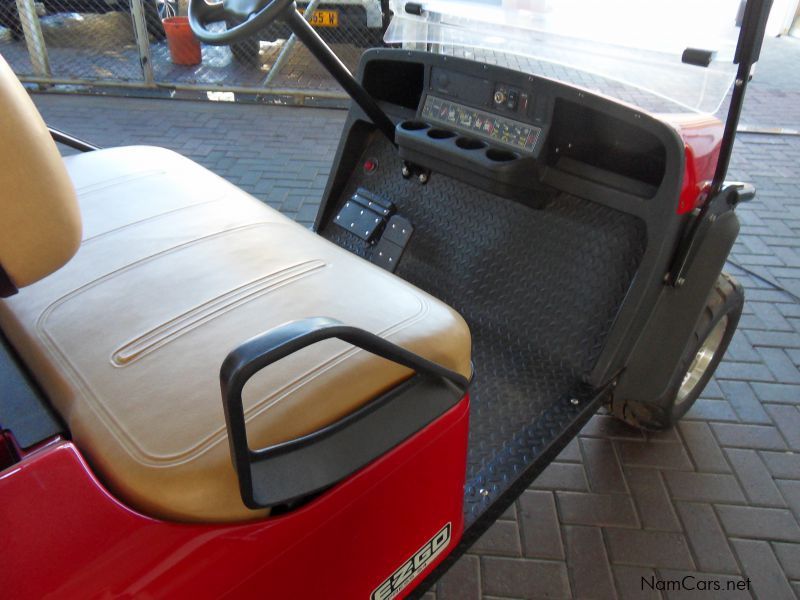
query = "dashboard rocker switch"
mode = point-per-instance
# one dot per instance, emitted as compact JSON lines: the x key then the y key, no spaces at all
{"x":513,"y":100}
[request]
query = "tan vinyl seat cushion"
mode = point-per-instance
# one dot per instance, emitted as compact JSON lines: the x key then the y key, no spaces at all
{"x":176,"y":268}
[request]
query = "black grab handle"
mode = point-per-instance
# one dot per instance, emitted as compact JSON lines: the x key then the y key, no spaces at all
{"x":300,"y":467}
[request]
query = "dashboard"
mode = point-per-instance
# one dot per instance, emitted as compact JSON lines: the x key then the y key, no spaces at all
{"x":493,"y":110}
{"x":508,"y":132}
{"x":491,"y":127}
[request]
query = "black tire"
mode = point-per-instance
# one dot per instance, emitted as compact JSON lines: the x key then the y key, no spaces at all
{"x":720,"y":318}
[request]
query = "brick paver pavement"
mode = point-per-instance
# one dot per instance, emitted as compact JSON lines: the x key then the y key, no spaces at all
{"x":718,"y":498}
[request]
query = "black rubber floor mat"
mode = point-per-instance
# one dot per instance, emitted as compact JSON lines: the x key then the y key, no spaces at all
{"x":539,"y":289}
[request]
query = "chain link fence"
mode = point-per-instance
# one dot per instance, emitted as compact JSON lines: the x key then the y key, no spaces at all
{"x":138,"y":44}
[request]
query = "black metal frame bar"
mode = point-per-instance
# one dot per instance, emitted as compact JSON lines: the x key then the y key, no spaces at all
{"x":64,"y":138}
{"x":269,"y":476}
{"x":306,"y":34}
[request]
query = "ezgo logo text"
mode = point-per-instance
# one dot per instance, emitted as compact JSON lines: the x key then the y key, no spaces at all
{"x":413,"y":566}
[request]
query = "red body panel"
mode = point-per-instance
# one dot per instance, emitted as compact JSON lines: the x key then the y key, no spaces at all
{"x":702,"y":136}
{"x":66,"y":536}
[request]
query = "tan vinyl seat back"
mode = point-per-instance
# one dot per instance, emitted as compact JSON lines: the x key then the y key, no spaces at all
{"x":40,"y":224}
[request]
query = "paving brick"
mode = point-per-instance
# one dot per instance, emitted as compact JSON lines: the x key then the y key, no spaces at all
{"x":664,"y":435}
{"x":759,"y":437}
{"x":539,"y":529}
{"x":779,"y":364}
{"x":652,"y":501}
{"x":774,"y":524}
{"x":571,"y":452}
{"x":510,"y":513}
{"x":462,"y":580}
{"x":606,"y":426}
{"x":740,"y":350}
{"x":763,"y":570}
{"x":777,"y":392}
{"x":790,"y":489}
{"x":562,"y":476}
{"x":500,"y":539}
{"x":694,"y":585}
{"x":602,"y":466}
{"x":606,"y":510}
{"x":712,"y":390}
{"x":648,"y":548}
{"x":743,"y":371}
{"x":711,"y":410}
{"x":755,"y":478}
{"x":630,"y":584}
{"x":588,"y":563}
{"x":782,"y":465}
{"x":774,"y":339}
{"x":787,"y":419}
{"x":524,"y":578}
{"x":704,"y":487}
{"x":789,"y":310}
{"x":794,"y":355}
{"x":789,"y":557}
{"x":706,"y":538}
{"x":744,"y":401}
{"x":655,"y":454}
{"x":703,"y":447}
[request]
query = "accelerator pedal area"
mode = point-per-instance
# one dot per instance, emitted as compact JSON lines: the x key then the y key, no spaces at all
{"x":373,"y":219}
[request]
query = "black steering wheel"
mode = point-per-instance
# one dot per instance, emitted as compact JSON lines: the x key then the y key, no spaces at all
{"x":249,"y":16}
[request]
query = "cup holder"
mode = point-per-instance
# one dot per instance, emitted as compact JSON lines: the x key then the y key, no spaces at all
{"x":414,"y":125}
{"x":500,"y":155}
{"x":466,"y":143}
{"x":440,"y":134}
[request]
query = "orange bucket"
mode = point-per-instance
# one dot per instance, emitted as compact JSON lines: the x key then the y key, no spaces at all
{"x":184,"y":47}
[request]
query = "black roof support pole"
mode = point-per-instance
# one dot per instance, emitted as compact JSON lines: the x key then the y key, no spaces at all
{"x":748,"y":49}
{"x":305,"y":32}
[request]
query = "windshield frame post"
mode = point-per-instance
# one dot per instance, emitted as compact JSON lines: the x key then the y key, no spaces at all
{"x":748,"y":50}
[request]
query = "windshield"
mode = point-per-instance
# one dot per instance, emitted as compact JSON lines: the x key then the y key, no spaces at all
{"x":629,"y":49}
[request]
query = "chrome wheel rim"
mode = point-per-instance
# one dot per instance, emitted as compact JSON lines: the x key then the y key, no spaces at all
{"x":701,"y":362}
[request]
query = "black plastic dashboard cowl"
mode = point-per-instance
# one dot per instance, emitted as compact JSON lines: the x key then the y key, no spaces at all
{"x":492,"y":169}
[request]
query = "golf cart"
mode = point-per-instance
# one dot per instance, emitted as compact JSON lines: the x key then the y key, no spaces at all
{"x":201,"y":397}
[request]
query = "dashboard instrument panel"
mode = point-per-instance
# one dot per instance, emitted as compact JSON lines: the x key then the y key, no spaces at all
{"x":482,"y":124}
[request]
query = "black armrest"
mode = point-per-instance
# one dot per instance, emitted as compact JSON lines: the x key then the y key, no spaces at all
{"x":311,"y":463}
